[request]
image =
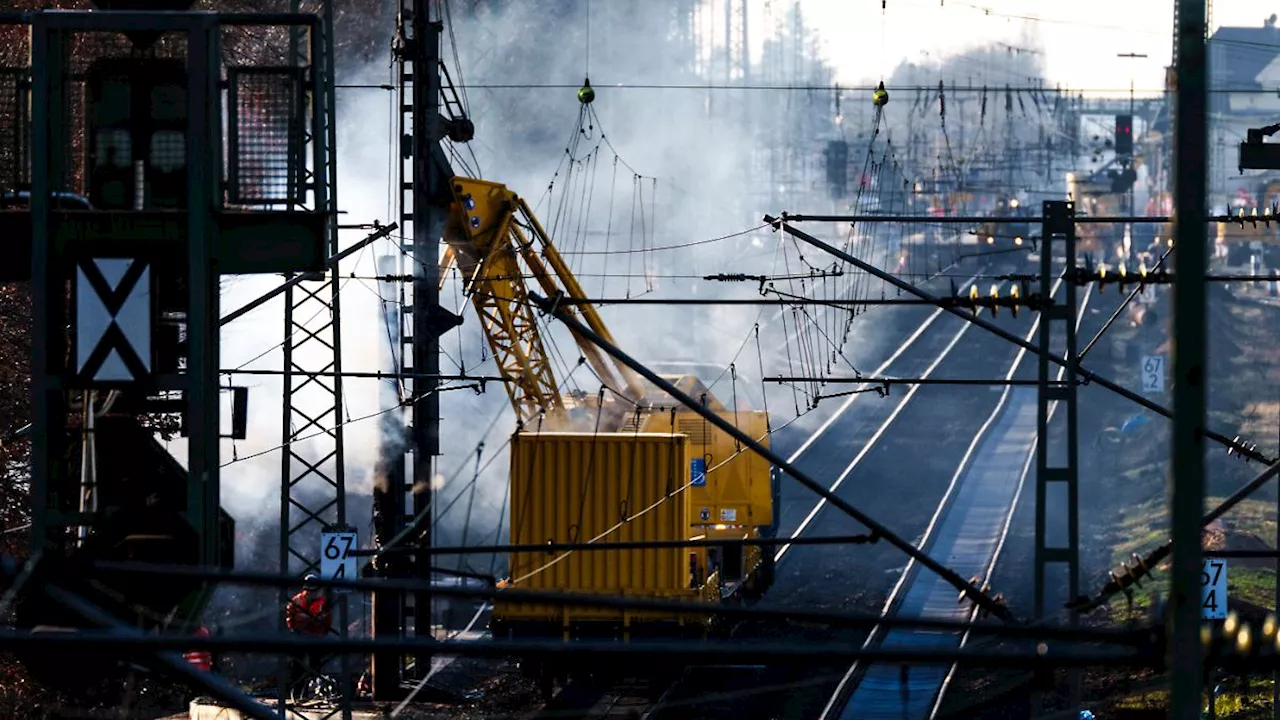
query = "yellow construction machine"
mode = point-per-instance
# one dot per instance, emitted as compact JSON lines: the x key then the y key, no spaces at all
{"x":619,"y":465}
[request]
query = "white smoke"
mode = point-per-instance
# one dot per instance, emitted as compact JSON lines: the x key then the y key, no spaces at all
{"x":708,"y":166}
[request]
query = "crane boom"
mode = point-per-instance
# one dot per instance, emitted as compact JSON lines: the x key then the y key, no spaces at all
{"x":496,"y":242}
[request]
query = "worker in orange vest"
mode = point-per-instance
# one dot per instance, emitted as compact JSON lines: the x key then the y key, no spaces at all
{"x":310,"y":614}
{"x":202,"y":659}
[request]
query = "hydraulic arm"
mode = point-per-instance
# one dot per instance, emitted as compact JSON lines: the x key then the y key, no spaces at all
{"x":497,"y":244}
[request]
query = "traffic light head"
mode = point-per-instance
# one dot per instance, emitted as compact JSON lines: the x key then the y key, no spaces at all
{"x":1124,"y":136}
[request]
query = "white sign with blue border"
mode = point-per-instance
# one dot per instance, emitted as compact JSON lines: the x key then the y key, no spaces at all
{"x":698,"y":472}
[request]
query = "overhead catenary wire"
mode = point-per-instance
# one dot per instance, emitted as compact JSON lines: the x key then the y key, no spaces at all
{"x":1121,"y":637}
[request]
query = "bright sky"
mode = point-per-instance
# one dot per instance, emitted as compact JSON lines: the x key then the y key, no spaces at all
{"x":1080,"y":38}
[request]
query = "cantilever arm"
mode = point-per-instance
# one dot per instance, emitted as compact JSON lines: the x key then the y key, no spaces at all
{"x":1255,"y":135}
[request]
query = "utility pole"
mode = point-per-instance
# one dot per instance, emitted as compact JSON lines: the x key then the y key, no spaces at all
{"x":313,"y":341}
{"x":428,"y":227}
{"x":1131,"y":56}
{"x":1187,"y":491}
{"x":1057,"y":533}
{"x":402,"y":507}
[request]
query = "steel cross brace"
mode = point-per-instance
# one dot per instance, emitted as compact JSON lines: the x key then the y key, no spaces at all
{"x":1244,"y":449}
{"x":551,"y":307}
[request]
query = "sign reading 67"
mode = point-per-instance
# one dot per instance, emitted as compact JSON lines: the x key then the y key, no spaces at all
{"x":1213,"y":590}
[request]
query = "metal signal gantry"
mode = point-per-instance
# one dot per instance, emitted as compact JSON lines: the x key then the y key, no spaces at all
{"x":131,"y":221}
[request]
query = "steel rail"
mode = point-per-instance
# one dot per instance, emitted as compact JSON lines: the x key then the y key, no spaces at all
{"x":853,"y":677}
{"x":1008,"y":519}
{"x":875,"y":437}
{"x":1089,"y":376}
{"x":898,"y":352}
{"x":551,"y":307}
{"x":1083,"y":604}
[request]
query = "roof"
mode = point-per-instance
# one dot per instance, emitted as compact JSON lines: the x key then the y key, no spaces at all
{"x":1238,"y":55}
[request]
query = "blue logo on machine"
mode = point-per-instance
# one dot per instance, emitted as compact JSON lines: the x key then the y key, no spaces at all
{"x":705,"y":514}
{"x":698,"y":472}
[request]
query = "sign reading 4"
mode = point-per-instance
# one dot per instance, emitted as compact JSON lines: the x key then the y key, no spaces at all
{"x":1213,"y":590}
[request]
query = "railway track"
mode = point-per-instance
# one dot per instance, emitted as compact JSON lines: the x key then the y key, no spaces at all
{"x":626,"y":698}
{"x":936,"y":346}
{"x":967,"y":533}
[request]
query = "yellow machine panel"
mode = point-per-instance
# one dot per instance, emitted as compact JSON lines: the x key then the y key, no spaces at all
{"x":615,"y":487}
{"x":634,"y":470}
{"x":737,"y":490}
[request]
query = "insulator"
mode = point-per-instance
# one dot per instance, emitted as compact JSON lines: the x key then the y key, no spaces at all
{"x":881,"y":96}
{"x":586,"y":93}
{"x":1269,"y":626}
{"x":1231,"y":624}
{"x":1244,"y":639}
{"x":1137,"y":559}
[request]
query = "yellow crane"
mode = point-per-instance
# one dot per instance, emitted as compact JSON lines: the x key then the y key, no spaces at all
{"x":623,"y":465}
{"x":495,"y":241}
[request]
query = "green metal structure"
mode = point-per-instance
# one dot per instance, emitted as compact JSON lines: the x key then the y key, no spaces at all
{"x":190,"y":164}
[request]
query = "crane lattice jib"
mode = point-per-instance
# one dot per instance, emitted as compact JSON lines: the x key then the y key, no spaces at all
{"x":491,"y":233}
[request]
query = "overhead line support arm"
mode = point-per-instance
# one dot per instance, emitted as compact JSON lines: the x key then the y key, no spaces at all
{"x":295,"y":280}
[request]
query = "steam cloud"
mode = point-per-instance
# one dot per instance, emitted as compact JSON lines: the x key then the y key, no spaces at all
{"x":711,"y":163}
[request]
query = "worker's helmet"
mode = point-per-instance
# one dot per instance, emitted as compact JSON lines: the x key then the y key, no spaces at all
{"x":309,"y":582}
